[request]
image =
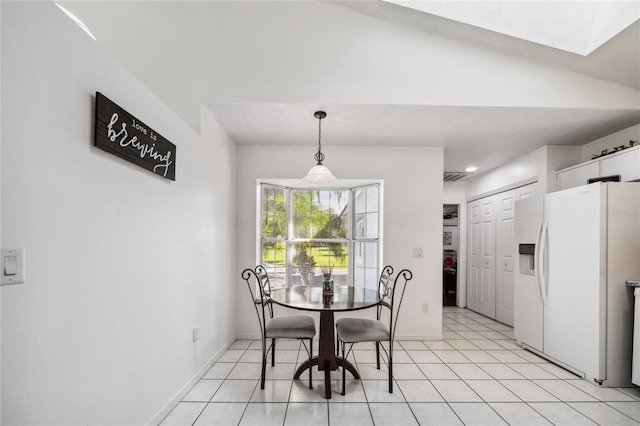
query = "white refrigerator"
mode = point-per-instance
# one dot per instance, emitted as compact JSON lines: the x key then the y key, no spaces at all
{"x":576,"y":248}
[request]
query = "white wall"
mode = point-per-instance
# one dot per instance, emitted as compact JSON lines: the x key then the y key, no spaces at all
{"x":120,"y":263}
{"x":558,"y":158}
{"x":609,"y":142}
{"x":539,"y":165}
{"x":412,"y":218}
{"x":529,"y":166}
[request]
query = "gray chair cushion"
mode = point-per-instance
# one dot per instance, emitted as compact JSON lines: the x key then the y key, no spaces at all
{"x":353,"y":330}
{"x":291,"y":327}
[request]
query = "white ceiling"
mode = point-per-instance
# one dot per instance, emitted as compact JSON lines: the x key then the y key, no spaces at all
{"x":480,"y":135}
{"x":471,"y":136}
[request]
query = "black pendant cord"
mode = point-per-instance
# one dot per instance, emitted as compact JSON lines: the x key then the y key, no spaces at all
{"x":319,"y":157}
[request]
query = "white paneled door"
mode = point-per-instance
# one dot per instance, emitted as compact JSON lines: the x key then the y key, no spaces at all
{"x":473,"y":254}
{"x":481,"y":270}
{"x":492,"y":252}
{"x":504,"y":257}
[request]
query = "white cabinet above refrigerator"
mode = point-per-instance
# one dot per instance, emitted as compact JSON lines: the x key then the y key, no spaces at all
{"x":625,"y":163}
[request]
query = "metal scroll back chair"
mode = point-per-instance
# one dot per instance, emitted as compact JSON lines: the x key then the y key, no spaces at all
{"x":301,"y":327}
{"x":356,"y":330}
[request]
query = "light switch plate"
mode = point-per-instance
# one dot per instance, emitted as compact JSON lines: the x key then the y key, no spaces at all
{"x":18,"y":255}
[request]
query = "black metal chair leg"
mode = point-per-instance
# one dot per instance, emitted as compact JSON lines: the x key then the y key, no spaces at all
{"x":273,"y":352}
{"x":378,"y":355}
{"x":310,"y":367}
{"x":264,"y":363}
{"x":390,"y":373}
{"x":344,"y":371}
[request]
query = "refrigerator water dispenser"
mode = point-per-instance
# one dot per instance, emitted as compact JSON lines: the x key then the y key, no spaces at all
{"x":527,"y":258}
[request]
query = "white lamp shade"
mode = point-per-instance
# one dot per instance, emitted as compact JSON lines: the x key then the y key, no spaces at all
{"x":319,"y":174}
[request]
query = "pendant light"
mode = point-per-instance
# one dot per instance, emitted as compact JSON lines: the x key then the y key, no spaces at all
{"x":319,"y":173}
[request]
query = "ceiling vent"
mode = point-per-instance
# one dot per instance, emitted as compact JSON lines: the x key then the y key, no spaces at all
{"x":455,"y":176}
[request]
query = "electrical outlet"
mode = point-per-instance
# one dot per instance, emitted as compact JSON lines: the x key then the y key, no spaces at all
{"x":425,"y":308}
{"x":196,"y":333}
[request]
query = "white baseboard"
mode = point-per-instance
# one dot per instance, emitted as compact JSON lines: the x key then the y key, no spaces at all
{"x":166,"y":409}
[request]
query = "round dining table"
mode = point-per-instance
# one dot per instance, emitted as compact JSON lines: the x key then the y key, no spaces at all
{"x":313,"y":298}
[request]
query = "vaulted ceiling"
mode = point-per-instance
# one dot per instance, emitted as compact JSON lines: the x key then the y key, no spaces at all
{"x":385,"y":74}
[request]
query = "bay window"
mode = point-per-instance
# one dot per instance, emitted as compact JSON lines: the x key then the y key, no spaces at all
{"x":308,"y":232}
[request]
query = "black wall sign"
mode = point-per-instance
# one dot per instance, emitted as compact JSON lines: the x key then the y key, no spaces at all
{"x":121,"y":134}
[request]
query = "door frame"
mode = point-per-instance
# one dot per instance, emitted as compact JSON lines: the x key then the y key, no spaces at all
{"x":461,"y":255}
{"x":461,"y":202}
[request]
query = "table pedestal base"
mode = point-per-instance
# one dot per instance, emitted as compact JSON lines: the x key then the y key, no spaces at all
{"x":327,"y":371}
{"x":326,"y":360}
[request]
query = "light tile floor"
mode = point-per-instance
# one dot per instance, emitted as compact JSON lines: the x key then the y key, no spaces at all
{"x":477,"y":375}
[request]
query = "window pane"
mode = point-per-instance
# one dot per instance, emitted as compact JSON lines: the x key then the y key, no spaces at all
{"x":372,"y":199}
{"x":365,"y":264}
{"x":274,"y":260}
{"x":312,"y":259}
{"x":274,"y":221}
{"x":366,"y":216}
{"x":371,"y":255}
{"x":360,"y":227}
{"x":358,"y":277}
{"x":372,"y":225}
{"x":371,"y":278}
{"x":366,"y":226}
{"x":320,"y":214}
{"x":358,"y":254}
{"x":360,"y":196}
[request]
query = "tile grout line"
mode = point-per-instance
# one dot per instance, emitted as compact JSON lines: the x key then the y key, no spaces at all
{"x":286,"y":409}
{"x":237,"y":363}
{"x":609,"y":405}
{"x":482,"y":399}
{"x":509,"y":390}
{"x":366,"y":398}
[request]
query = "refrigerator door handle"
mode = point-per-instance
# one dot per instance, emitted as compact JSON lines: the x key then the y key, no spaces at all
{"x":536,"y":261}
{"x":542,"y":268}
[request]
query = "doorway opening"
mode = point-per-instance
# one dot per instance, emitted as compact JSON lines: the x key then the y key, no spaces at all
{"x":450,"y":247}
